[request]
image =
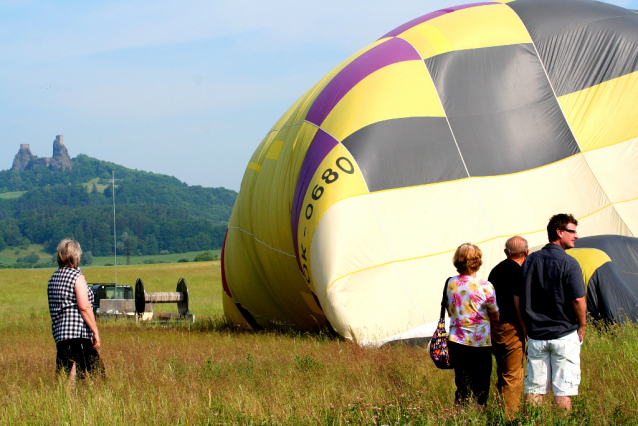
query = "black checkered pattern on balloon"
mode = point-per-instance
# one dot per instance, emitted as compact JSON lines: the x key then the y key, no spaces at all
{"x":66,"y":320}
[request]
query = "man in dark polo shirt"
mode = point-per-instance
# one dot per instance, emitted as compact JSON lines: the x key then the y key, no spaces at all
{"x":552,"y":303}
{"x":508,"y":340}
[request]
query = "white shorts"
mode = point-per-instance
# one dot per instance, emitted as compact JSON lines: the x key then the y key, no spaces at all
{"x":553,"y":362}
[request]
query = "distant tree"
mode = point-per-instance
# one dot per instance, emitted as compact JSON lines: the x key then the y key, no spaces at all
{"x":150,"y":245}
{"x":25,"y":243}
{"x":11,"y":232}
{"x":108,"y":192}
{"x":31,"y":258}
{"x":205,"y":256}
{"x":86,"y":258}
{"x":163,"y":214}
{"x":128,"y":245}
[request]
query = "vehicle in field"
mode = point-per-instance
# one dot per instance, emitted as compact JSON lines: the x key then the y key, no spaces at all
{"x":113,"y":301}
{"x":110,"y":291}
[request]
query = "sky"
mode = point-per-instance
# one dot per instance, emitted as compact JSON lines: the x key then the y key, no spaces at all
{"x":187,"y":89}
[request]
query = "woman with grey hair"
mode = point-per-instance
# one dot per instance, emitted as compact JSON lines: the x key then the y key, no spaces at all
{"x":72,"y":320}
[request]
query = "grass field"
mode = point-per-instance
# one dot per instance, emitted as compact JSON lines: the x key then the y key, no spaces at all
{"x":100,"y":187}
{"x":11,"y":195}
{"x":158,"y":258}
{"x":210,"y":373}
{"x":10,"y":254}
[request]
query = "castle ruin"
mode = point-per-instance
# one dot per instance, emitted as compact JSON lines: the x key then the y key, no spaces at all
{"x":60,"y":161}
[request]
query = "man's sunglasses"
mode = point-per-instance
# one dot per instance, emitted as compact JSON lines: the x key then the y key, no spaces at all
{"x":571,"y":231}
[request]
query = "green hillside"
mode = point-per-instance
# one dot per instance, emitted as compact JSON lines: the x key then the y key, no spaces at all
{"x":156,"y":214}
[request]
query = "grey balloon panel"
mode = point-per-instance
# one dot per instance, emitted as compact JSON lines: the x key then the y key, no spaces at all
{"x":501,"y":108}
{"x":406,"y":152}
{"x":623,"y":251}
{"x":548,"y":18}
{"x":581,"y":44}
{"x":631,"y":281}
{"x":481,"y":81}
{"x":611,"y":294}
{"x":515,"y":140}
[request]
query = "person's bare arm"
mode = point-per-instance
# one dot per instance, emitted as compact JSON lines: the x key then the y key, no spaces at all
{"x":495,"y":317}
{"x":86,"y":310}
{"x":580,"y":307}
{"x":517,"y":304}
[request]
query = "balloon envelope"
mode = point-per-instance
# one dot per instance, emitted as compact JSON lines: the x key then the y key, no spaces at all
{"x":473,"y":123}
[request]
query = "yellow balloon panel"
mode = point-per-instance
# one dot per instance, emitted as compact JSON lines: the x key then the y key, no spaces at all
{"x":399,"y":90}
{"x":473,"y":28}
{"x":589,"y":260}
{"x":363,"y":305}
{"x":297,"y":113}
{"x":260,"y":236}
{"x":628,"y":211}
{"x":336,"y":178}
{"x":604,"y":114}
{"x":535,"y":195}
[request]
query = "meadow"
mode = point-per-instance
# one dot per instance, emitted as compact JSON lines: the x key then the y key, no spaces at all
{"x":210,"y":372}
{"x":9,"y":255}
{"x":11,"y":195}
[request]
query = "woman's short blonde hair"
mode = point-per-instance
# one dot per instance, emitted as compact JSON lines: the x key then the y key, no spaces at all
{"x":467,"y":259}
{"x":69,"y":252}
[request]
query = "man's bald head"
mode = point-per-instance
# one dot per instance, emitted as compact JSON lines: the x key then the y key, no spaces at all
{"x":516,"y":247}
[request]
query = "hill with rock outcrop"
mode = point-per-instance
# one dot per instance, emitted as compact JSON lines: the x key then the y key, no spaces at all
{"x":44,"y":201}
{"x":60,"y":161}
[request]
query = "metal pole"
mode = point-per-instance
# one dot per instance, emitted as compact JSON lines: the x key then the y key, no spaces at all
{"x":114,"y":237}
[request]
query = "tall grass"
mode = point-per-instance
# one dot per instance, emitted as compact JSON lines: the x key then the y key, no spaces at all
{"x":24,"y":291}
{"x":210,"y":373}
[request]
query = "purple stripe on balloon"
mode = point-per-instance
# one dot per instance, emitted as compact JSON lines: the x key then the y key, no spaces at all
{"x":413,"y":23}
{"x":387,"y":53}
{"x":320,"y":146}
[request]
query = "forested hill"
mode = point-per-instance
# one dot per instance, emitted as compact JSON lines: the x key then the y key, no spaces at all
{"x":154,"y":213}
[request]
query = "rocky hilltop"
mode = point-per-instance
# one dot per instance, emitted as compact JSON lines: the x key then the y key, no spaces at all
{"x":60,"y":161}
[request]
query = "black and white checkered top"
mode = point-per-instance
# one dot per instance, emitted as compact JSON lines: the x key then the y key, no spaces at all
{"x":66,"y":321}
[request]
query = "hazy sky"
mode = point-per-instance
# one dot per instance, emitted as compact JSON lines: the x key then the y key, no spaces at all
{"x":184,"y":88}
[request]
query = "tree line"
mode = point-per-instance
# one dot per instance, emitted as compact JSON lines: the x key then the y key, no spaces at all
{"x":155,"y":213}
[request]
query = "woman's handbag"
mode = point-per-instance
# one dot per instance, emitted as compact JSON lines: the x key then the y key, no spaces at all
{"x":438,"y":345}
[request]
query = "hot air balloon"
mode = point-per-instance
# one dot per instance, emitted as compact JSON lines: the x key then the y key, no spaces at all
{"x":610,"y":273}
{"x":468,"y":124}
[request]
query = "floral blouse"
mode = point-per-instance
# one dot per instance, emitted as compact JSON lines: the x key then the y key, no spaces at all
{"x":470,"y":301}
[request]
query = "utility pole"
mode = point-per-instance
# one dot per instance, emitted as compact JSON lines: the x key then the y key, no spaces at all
{"x":112,"y":180}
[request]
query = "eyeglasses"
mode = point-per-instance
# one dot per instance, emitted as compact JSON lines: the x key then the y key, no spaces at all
{"x":571,"y":231}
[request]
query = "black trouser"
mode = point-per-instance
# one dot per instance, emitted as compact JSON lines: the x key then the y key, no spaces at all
{"x":472,"y":371}
{"x":80,"y":352}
